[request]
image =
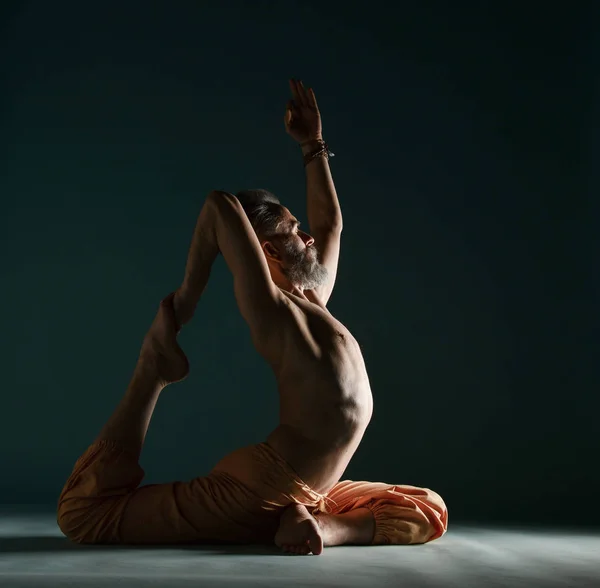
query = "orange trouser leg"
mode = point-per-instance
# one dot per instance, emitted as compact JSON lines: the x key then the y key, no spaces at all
{"x":103,"y":503}
{"x":403,"y":514}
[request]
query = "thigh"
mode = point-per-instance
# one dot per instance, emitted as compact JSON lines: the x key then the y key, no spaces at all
{"x":103,"y":502}
{"x":208,"y":509}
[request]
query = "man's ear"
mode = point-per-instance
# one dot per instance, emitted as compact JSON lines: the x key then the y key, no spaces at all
{"x":271,"y":251}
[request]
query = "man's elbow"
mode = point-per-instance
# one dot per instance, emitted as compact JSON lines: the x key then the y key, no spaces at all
{"x":219,"y":196}
{"x":330,"y":228}
{"x":337,"y":226}
{"x":332,"y":223}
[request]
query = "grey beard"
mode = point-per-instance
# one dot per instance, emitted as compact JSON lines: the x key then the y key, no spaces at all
{"x":305,"y":272}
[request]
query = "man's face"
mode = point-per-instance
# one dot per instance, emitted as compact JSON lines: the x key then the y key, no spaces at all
{"x":299,"y":257}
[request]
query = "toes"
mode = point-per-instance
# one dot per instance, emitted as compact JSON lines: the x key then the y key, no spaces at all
{"x":296,"y":549}
{"x":316,"y":544}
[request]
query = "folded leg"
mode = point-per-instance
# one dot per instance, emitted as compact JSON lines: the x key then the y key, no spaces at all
{"x":403,"y":514}
{"x":102,"y":503}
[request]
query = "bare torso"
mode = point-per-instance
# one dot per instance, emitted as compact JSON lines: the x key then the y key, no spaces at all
{"x":325,"y":395}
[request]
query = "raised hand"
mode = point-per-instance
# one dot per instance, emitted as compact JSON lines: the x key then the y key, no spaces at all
{"x":302,"y":117}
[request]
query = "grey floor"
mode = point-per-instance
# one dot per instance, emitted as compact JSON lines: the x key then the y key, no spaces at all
{"x":33,"y":552}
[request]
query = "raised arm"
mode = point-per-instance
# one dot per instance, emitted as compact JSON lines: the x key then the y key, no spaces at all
{"x":303,"y":124}
{"x":201,"y":256}
{"x":224,"y":227}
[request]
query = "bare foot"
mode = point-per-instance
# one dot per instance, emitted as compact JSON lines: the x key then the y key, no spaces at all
{"x":160,"y":351}
{"x":298,"y":532}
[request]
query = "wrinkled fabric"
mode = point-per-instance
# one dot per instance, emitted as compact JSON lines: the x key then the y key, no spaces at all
{"x":239,"y":501}
{"x":403,"y":514}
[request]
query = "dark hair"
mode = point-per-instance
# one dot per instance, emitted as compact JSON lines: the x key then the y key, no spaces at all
{"x":264,"y":211}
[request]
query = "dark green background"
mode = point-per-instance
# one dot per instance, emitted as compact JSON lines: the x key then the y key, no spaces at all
{"x":466,"y":142}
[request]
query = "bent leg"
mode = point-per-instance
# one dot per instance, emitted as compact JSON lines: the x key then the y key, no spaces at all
{"x":403,"y":515}
{"x":102,"y":503}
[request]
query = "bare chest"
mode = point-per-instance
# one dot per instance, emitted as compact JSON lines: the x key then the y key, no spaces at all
{"x":320,"y":359}
{"x":313,"y":330}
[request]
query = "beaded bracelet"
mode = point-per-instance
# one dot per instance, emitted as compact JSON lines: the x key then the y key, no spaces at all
{"x":323,"y":149}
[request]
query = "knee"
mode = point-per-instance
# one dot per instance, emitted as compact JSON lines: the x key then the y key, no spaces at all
{"x":77,"y":522}
{"x":65,"y":523}
{"x":437,"y":516}
{"x":69,"y":522}
{"x":437,"y":505}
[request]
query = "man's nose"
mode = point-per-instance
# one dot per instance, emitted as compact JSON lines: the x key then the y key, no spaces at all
{"x":308,"y":241}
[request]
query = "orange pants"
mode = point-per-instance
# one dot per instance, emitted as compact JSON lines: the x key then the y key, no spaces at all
{"x":240,"y":501}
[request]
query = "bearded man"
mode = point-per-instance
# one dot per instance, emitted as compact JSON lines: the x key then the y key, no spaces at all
{"x":286,"y":490}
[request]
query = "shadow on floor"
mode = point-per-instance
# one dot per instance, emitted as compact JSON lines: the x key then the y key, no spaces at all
{"x":45,"y":544}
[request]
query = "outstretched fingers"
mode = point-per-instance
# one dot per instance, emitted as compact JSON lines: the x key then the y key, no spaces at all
{"x":302,"y":96}
{"x":312,"y":99}
{"x":297,"y":92}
